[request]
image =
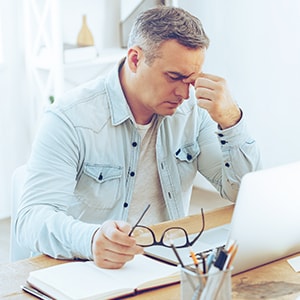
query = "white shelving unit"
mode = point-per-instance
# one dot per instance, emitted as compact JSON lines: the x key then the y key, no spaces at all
{"x":43,"y":30}
{"x":44,"y":51}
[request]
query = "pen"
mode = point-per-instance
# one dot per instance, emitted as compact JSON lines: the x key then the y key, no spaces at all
{"x":232,"y":250}
{"x":210,"y":260}
{"x":35,"y":292}
{"x":218,"y":272}
{"x":183,"y":266}
{"x":215,"y":277}
{"x":203,"y":258}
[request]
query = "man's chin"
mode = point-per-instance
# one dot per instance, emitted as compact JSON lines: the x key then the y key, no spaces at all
{"x":169,"y":108}
{"x":168,"y":112}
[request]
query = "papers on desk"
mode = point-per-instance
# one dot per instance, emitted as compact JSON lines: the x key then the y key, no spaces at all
{"x":84,"y":280}
{"x":295,"y":263}
{"x":210,"y":239}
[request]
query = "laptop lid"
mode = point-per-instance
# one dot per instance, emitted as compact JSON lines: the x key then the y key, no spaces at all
{"x":265,"y":221}
{"x":266,"y":217}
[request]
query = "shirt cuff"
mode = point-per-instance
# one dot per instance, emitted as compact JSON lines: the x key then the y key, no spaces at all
{"x":84,"y":240}
{"x":235,"y":135}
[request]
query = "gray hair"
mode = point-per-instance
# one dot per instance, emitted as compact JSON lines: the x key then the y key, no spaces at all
{"x":162,"y":23}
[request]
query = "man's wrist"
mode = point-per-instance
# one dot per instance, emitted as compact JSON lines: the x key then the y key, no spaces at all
{"x":233,"y":120}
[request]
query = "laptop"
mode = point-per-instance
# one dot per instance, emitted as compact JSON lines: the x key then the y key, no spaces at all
{"x":265,"y":221}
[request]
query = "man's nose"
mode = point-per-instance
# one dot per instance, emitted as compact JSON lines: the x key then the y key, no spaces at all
{"x":183,"y":90}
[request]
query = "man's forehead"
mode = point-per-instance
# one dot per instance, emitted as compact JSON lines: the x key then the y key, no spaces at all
{"x":178,"y":61}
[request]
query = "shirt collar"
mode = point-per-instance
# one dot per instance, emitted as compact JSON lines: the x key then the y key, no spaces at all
{"x":119,"y":109}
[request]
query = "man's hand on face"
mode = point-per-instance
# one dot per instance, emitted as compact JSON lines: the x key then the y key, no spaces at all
{"x":112,"y":247}
{"x":213,"y":95}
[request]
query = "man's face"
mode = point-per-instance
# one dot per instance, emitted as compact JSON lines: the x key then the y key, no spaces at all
{"x":163,"y":85}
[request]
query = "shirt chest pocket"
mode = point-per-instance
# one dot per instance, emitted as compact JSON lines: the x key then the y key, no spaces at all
{"x":99,"y":185}
{"x":187,"y":153}
{"x":186,"y":161}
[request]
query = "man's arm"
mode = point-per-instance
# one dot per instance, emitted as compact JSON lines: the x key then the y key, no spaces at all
{"x":43,"y":223}
{"x":239,"y":151}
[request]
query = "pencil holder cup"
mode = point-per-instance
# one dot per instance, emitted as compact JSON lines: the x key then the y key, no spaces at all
{"x":215,"y":285}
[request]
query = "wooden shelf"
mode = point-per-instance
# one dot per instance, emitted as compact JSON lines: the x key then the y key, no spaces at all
{"x":105,"y":57}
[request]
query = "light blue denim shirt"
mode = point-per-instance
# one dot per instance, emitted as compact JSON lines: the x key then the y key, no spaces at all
{"x":84,"y":160}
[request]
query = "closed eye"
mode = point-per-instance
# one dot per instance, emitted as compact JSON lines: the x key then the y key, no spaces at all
{"x":174,"y":76}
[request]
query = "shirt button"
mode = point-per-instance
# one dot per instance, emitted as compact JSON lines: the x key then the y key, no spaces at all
{"x":227,"y":165}
{"x":132,"y":174}
{"x":134,"y":144}
{"x":178,"y":151}
{"x":125,"y":204}
{"x":223,"y":142}
{"x":220,"y":134}
{"x":188,"y":156}
{"x":100,"y":177}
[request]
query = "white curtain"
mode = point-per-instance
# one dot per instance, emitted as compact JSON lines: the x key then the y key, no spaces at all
{"x":20,"y":110}
{"x":15,"y":106}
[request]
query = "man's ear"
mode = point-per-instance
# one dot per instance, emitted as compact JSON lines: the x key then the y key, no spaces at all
{"x":134,"y":56}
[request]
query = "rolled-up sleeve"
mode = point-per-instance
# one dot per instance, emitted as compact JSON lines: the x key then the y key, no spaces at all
{"x":43,"y":224}
{"x":239,"y":155}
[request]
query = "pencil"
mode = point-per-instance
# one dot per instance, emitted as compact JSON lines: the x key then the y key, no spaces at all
{"x":232,"y":255}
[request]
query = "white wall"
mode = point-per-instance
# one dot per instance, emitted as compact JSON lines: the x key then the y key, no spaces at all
{"x":255,"y":45}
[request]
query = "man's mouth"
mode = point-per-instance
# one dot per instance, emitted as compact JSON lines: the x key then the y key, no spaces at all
{"x":175,"y":103}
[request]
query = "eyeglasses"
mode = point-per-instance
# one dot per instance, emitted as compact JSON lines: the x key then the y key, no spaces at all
{"x":176,"y":235}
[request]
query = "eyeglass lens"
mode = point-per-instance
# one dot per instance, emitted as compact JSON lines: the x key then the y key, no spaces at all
{"x":145,"y":237}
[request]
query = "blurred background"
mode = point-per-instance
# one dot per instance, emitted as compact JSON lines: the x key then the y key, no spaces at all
{"x":255,"y":45}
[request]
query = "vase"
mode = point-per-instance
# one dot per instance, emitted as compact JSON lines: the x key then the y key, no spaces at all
{"x":85,"y":37}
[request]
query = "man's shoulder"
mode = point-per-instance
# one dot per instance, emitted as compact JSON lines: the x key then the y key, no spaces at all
{"x":88,"y":92}
{"x":84,"y":105}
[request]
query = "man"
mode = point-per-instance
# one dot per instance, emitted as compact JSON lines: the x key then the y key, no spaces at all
{"x":139,"y":136}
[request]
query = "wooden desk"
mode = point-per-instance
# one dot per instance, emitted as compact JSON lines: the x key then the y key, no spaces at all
{"x":276,"y":280}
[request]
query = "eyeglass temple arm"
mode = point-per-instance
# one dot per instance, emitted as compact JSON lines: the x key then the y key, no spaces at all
{"x":201,"y":231}
{"x":139,"y":220}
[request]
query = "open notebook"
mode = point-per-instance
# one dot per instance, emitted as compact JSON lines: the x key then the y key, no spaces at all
{"x":84,"y":280}
{"x":265,"y":222}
